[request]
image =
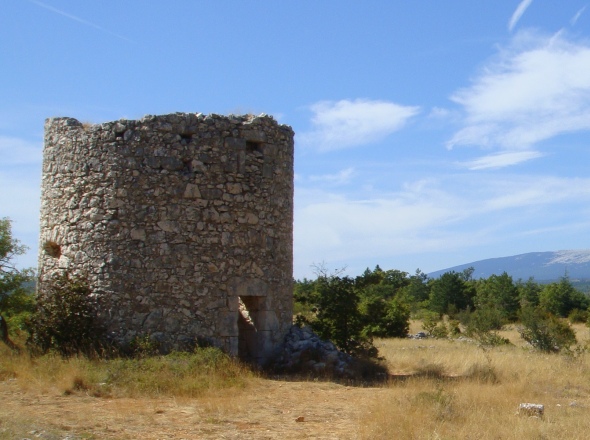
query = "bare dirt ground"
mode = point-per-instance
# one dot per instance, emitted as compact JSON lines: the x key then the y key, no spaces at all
{"x":268,"y":409}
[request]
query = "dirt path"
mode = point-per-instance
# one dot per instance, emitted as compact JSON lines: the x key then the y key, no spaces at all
{"x":266,"y":410}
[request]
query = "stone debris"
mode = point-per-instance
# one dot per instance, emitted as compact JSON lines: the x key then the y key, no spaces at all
{"x":531,"y":410}
{"x":419,"y":335}
{"x":304,"y":352}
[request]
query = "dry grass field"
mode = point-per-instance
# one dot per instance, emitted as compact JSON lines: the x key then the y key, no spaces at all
{"x":439,"y":389}
{"x":455,"y":390}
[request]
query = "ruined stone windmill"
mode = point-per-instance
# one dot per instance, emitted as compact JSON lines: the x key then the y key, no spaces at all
{"x":182,"y":224}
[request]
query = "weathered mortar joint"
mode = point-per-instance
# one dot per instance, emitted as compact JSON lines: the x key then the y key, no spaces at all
{"x":183,"y":223}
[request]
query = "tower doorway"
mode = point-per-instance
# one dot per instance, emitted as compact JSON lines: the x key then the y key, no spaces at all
{"x":250,"y":334}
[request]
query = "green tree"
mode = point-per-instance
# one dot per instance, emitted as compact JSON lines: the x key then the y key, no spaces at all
{"x":370,"y":278}
{"x":417,"y":289}
{"x":451,"y":293}
{"x":528,"y":292}
{"x":498,"y":292}
{"x":394,"y":279}
{"x":383,"y":304}
{"x":397,"y":318}
{"x":561,"y":298}
{"x":335,"y":304}
{"x":15,"y":284}
{"x":303,"y":291}
{"x":397,"y":279}
{"x":385,"y":314}
{"x":467,"y":274}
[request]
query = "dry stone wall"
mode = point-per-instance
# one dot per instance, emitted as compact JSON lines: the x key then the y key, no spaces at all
{"x":183,"y":224}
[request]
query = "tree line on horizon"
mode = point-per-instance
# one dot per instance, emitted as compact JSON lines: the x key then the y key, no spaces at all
{"x":379,"y":303}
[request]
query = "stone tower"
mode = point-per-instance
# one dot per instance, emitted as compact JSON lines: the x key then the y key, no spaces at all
{"x":182,"y":223}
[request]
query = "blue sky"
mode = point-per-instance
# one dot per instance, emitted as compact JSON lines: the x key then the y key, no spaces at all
{"x":428,"y":133}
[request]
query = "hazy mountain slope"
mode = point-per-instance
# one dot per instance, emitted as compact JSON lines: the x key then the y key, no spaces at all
{"x":542,"y":266}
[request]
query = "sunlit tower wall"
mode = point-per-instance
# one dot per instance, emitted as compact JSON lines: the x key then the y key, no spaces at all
{"x":182,"y":224}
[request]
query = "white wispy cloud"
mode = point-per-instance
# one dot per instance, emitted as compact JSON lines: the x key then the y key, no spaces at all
{"x":520,"y":9}
{"x":344,"y":228}
{"x":576,"y":17}
{"x":535,"y":89}
{"x":331,"y":226}
{"x":345,"y":123}
{"x":570,"y":227}
{"x":521,"y":193}
{"x":440,"y":113}
{"x":339,"y":178}
{"x":502,"y":159}
{"x":16,"y":151}
{"x":432,"y":215}
{"x":79,"y":20}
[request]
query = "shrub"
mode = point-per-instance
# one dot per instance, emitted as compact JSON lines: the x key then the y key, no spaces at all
{"x":65,"y":318}
{"x":482,"y":372}
{"x":545,"y":332}
{"x":486,"y":319}
{"x":490,"y":339}
{"x":483,"y":325}
{"x":440,"y":331}
{"x":143,"y":346}
{"x":17,"y":307}
{"x":15,"y":285}
{"x":577,"y":316}
{"x":429,"y":321}
{"x":434,"y":326}
{"x":453,"y":326}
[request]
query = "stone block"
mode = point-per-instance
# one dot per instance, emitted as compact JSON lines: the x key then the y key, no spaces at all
{"x":228,"y":323}
{"x":531,"y":410}
{"x":138,"y":234}
{"x":192,"y":191}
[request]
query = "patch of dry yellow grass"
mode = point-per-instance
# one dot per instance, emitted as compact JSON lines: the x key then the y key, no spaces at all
{"x":440,"y":389}
{"x":474,"y":394}
{"x":180,"y":375}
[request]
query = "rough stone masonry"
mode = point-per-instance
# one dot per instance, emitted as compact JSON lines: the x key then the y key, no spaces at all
{"x":182,"y":223}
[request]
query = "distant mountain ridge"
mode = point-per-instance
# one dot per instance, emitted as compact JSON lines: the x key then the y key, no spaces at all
{"x":542,"y":266}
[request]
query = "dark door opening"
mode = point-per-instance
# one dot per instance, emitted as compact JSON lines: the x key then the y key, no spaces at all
{"x":249,"y":335}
